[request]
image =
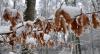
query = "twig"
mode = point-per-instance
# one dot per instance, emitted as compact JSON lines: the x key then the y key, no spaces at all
{"x":20,"y":26}
{"x":93,"y":5}
{"x":89,"y":13}
{"x":61,"y":5}
{"x":6,"y":33}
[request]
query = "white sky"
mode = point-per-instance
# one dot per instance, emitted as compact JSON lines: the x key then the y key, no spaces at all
{"x":23,"y":1}
{"x":37,"y":4}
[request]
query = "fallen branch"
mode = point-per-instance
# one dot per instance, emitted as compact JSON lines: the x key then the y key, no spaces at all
{"x":6,"y":33}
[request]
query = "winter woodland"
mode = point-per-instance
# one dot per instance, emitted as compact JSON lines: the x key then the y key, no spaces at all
{"x":49,"y":26}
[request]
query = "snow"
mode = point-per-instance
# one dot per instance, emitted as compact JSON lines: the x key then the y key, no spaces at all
{"x":35,"y":29}
{"x":38,"y":32}
{"x":20,"y":24}
{"x":11,"y":3}
{"x":73,"y":11}
{"x":66,"y":36}
{"x":20,"y":5}
{"x":12,"y":53}
{"x":41,"y":18}
{"x":60,"y":36}
{"x":46,"y":37}
{"x":5,"y":29}
{"x":20,"y":28}
{"x":31,"y":40}
{"x":13,"y":12}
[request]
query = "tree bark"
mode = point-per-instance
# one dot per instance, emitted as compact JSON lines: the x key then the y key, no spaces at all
{"x":66,"y":1}
{"x":30,"y":10}
{"x":98,"y":3}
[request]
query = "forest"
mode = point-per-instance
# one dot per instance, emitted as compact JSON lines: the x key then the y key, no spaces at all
{"x":49,"y":26}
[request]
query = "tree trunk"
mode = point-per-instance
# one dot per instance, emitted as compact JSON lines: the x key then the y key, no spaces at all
{"x":78,"y":45}
{"x":70,"y":2}
{"x":66,"y":1}
{"x":30,"y":10}
{"x":98,"y":3}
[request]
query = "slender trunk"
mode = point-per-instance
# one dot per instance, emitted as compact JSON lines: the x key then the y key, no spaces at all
{"x":78,"y":45}
{"x":76,"y":42}
{"x":14,"y":4}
